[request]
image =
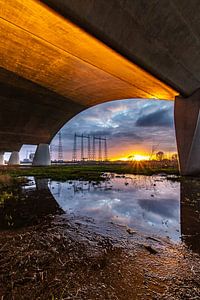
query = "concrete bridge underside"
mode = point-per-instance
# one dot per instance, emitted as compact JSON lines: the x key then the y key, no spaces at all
{"x":59,"y":57}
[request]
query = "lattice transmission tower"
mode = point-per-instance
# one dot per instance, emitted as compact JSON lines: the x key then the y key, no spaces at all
{"x":74,"y":153}
{"x":89,"y":149}
{"x":60,"y":147}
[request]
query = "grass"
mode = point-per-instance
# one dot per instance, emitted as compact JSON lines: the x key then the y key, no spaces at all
{"x":7,"y":180}
{"x":82,"y":172}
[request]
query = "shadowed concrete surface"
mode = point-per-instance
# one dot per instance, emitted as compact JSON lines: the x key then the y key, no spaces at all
{"x":30,"y":113}
{"x":187,"y":124}
{"x":190,"y":211}
{"x":59,"y":57}
{"x":161,"y":36}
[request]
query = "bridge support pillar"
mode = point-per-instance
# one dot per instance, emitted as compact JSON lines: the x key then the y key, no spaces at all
{"x":1,"y":158}
{"x":42,"y":156}
{"x":187,"y":126}
{"x":14,"y":158}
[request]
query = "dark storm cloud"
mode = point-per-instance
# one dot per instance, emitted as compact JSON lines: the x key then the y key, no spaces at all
{"x":127,"y":135}
{"x":159,"y":118}
{"x":100,"y":133}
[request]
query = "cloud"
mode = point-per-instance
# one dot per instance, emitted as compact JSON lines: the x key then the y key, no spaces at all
{"x":123,"y":137}
{"x":159,"y":118}
{"x":129,"y":125}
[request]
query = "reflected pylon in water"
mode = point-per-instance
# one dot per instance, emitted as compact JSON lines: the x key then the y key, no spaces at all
{"x":42,"y":183}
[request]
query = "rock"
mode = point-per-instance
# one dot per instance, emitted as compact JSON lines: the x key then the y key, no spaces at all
{"x":150,"y":249}
{"x":130,"y":231}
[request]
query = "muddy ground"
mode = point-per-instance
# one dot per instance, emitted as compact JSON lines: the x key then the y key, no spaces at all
{"x":66,"y":257}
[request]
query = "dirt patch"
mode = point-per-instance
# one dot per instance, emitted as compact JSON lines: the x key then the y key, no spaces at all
{"x":63,"y":259}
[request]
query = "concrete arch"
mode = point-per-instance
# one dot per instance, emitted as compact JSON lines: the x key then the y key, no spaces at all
{"x":31,"y":114}
{"x":51,"y":69}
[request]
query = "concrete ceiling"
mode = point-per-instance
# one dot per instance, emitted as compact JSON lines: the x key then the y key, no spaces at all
{"x":162,"y":36}
{"x":51,"y":69}
{"x":43,"y":47}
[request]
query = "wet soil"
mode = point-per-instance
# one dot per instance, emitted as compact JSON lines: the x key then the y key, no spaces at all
{"x":66,"y":257}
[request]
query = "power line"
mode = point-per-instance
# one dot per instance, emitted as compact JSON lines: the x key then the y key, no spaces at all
{"x":86,"y":148}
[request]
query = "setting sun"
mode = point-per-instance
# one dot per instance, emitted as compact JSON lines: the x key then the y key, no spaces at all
{"x":135,"y":157}
{"x":139,"y":157}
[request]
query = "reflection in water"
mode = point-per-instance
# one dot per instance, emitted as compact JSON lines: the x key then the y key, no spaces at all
{"x":26,"y":205}
{"x":190,"y":213}
{"x":150,"y":204}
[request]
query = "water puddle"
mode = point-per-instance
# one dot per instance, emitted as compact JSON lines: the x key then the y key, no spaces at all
{"x":149,"y":204}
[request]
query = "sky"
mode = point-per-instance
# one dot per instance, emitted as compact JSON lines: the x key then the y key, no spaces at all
{"x":131,"y":126}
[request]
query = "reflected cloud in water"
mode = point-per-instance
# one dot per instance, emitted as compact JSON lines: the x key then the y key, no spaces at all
{"x":151,"y":204}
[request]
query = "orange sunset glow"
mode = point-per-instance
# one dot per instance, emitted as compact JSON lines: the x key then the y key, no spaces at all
{"x":132,"y":157}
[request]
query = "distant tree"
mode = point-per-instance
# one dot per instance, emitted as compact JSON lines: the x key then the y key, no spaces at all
{"x":174,"y":156}
{"x":160,"y":155}
{"x":131,"y":157}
